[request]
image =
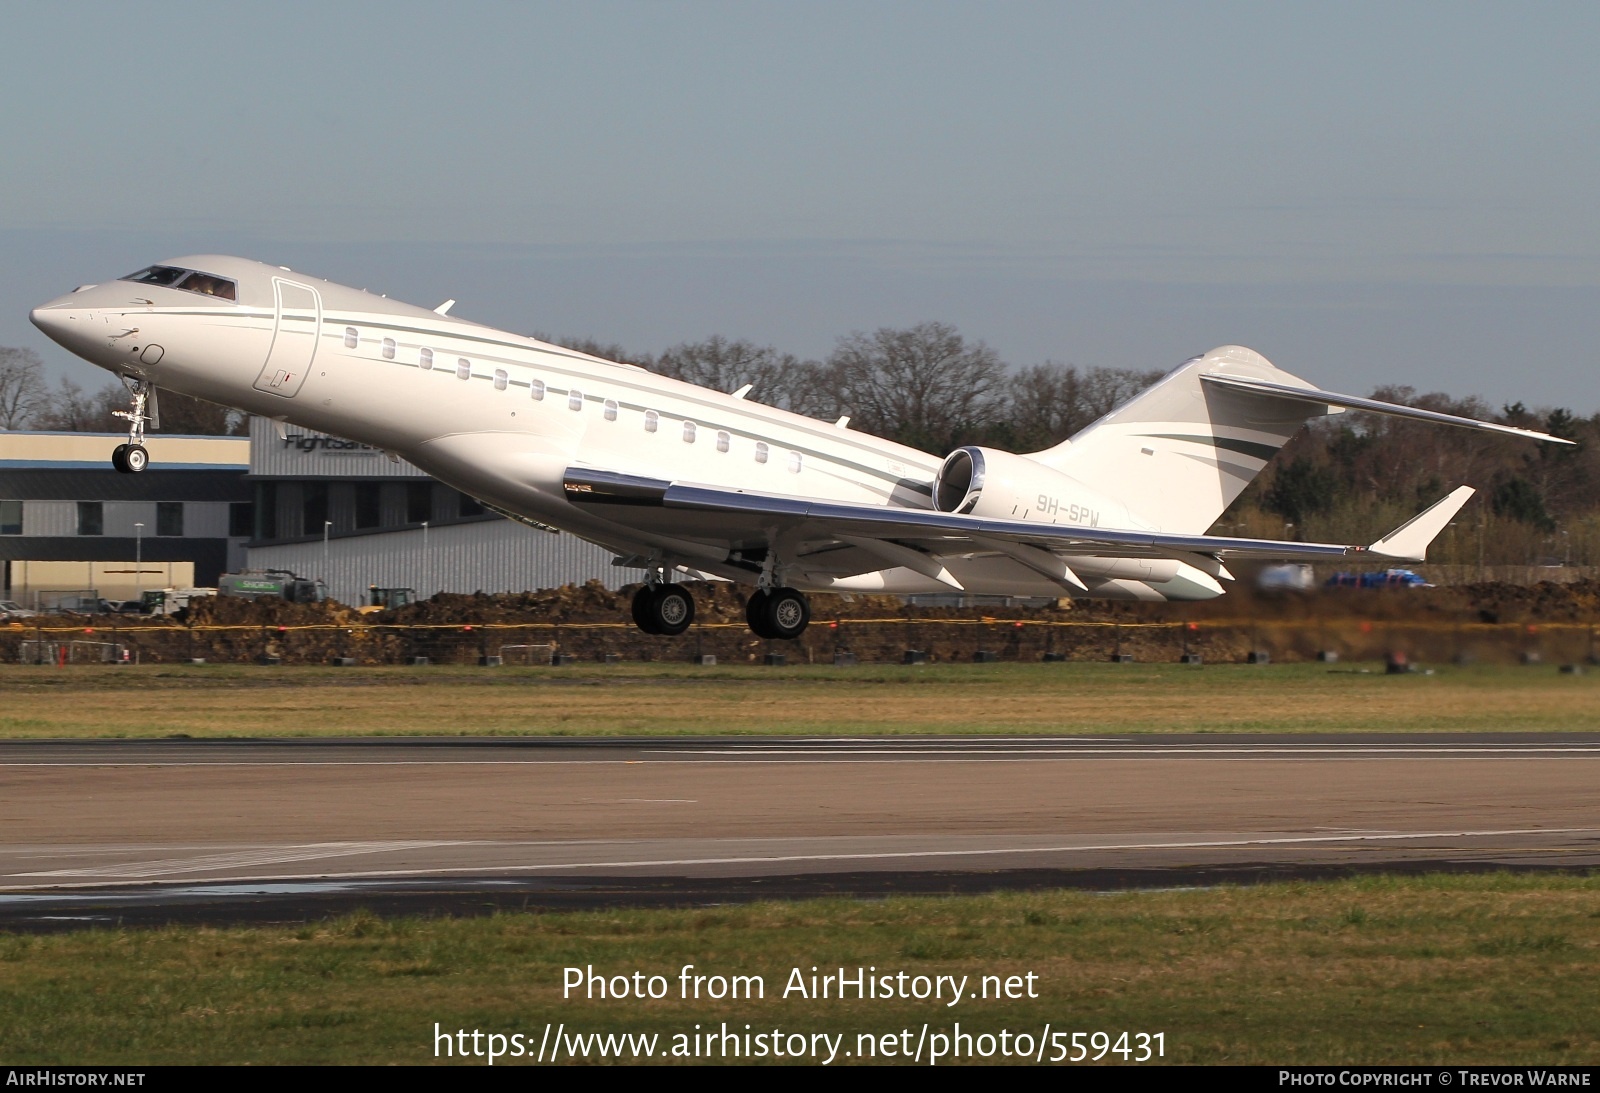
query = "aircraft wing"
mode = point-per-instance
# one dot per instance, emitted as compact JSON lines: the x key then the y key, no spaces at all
{"x":845,"y":536}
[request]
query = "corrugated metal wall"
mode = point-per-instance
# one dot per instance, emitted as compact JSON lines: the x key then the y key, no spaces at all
{"x":500,"y":556}
{"x":201,"y":519}
{"x":308,"y":454}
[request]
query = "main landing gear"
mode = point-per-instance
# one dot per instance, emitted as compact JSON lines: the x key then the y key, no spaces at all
{"x":131,"y":458}
{"x":668,"y":610}
{"x":781,"y":613}
{"x":663,"y":609}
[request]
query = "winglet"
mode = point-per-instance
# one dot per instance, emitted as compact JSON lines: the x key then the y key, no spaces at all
{"x":444,"y":308}
{"x":1409,"y":542}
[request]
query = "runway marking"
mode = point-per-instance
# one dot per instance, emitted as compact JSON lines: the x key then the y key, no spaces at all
{"x":273,"y":855}
{"x":240,"y":859}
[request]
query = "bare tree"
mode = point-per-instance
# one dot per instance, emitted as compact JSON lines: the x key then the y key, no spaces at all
{"x":21,"y":387}
{"x":69,"y":408}
{"x":779,"y":379}
{"x":924,"y":386}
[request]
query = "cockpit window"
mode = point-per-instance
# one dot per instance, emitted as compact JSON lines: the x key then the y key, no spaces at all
{"x":187,"y":279}
{"x":157,"y":275}
{"x":220,"y":287}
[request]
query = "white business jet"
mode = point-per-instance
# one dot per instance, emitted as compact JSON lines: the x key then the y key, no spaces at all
{"x":680,"y":479}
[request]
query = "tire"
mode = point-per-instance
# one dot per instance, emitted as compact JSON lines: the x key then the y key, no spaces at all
{"x":119,"y":458}
{"x":136,"y":458}
{"x":644,"y":609}
{"x":786,"y":614}
{"x":672,"y":609}
{"x":755,"y":613}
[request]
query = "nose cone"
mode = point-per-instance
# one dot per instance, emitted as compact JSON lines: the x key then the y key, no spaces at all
{"x":56,"y":319}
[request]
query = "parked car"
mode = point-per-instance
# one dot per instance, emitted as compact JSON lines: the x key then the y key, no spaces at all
{"x":1388,"y":578}
{"x":11,"y":609}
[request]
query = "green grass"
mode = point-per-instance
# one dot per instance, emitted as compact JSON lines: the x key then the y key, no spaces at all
{"x":667,"y":699}
{"x":1460,"y":969}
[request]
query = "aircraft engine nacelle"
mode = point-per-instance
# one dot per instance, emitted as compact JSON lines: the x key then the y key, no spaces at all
{"x":1005,"y":486}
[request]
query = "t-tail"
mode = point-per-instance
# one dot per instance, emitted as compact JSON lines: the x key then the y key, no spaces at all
{"x":1179,"y":453}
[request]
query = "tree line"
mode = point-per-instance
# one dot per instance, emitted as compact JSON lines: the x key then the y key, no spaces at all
{"x":28,"y":402}
{"x":1343,"y":478}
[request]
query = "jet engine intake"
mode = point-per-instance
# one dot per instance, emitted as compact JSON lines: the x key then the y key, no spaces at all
{"x":1005,"y":486}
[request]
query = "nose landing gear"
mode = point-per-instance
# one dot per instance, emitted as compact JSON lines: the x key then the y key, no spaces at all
{"x":131,"y":458}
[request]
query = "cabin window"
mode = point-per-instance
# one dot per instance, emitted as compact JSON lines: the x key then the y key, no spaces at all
{"x":688,"y":432}
{"x":761,"y":451}
{"x":388,"y":349}
{"x":724,"y":441}
{"x":536,"y":389}
{"x":351,"y":337}
{"x":794,"y":462}
{"x":463,"y":368}
{"x":611,"y":409}
{"x":574,"y":399}
{"x":652,"y":421}
{"x":501,"y":379}
{"x":425,"y":359}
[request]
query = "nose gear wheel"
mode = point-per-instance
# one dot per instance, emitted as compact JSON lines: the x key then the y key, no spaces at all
{"x":131,"y":458}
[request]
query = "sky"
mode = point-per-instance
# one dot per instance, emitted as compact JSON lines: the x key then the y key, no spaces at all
{"x":1367,"y":193}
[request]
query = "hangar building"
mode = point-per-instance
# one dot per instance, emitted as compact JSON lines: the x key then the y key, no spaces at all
{"x":316,"y":505}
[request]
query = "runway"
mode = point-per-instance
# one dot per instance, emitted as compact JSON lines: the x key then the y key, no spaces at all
{"x":136,"y":819}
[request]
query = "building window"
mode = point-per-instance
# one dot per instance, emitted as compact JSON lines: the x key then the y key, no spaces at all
{"x":688,"y":432}
{"x":91,"y":518}
{"x":536,"y":389}
{"x":652,"y":421}
{"x":368,"y":510}
{"x":761,"y":451}
{"x":169,"y":518}
{"x":419,"y":502}
{"x":313,"y":508}
{"x":794,"y":462}
{"x":501,"y":379}
{"x":425,"y":359}
{"x":468,"y":506}
{"x":241,"y":520}
{"x":611,"y":409}
{"x":388,"y":349}
{"x":10,"y":517}
{"x":574,"y":399}
{"x":351,"y":337}
{"x":266,"y":522}
{"x":724,"y":442}
{"x":463,"y":369}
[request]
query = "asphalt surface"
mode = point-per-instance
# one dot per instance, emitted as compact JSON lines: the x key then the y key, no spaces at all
{"x":284,"y":830}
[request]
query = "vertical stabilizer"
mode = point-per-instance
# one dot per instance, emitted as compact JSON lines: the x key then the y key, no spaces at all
{"x":1179,"y":453}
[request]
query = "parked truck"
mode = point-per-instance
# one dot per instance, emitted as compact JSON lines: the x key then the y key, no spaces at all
{"x":272,"y":584}
{"x":169,"y":601}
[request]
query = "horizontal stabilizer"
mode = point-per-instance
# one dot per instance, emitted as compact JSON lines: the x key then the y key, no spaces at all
{"x":1409,"y":542}
{"x":1352,"y":402}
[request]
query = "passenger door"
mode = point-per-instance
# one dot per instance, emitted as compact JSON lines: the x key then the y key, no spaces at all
{"x":297,"y":324}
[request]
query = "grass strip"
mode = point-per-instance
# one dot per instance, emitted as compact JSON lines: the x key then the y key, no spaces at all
{"x":658,"y":699}
{"x":1438,"y":969}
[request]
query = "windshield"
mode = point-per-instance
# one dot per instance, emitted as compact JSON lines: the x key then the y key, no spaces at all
{"x":189,"y":280}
